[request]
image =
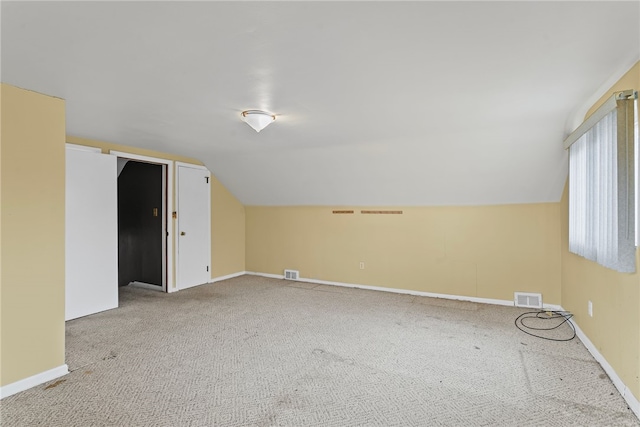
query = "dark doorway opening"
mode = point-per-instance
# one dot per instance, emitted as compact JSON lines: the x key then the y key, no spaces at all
{"x":140,"y":224}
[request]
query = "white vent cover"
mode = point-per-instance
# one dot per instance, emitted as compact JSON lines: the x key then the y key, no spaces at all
{"x":291,"y":274}
{"x":524,"y":299}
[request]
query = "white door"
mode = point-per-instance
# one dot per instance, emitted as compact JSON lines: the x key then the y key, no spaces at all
{"x":194,"y":224}
{"x":91,"y":247}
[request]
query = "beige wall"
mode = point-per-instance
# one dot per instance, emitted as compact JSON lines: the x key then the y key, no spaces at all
{"x":32,"y":224}
{"x":227,"y":232}
{"x":227,"y":213}
{"x":480,"y":251}
{"x":615,"y":326}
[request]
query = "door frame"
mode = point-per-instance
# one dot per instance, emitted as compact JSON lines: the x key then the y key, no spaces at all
{"x":167,"y":195}
{"x":207,"y":231}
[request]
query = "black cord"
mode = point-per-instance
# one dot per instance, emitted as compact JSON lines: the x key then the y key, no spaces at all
{"x":545,"y":315}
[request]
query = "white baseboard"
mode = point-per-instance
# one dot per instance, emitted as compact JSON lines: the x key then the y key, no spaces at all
{"x":272,"y":276}
{"x":32,"y":381}
{"x":228,"y":276}
{"x":509,"y":303}
{"x":393,"y":290}
{"x":628,"y":396}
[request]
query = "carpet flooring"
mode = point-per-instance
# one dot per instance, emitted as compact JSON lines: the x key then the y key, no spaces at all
{"x":254,"y":351}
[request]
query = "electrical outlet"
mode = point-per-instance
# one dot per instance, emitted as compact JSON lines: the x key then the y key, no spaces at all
{"x":590,"y":308}
{"x":361,"y":265}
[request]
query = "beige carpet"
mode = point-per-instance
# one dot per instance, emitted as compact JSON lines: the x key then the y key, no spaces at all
{"x":253,"y":351}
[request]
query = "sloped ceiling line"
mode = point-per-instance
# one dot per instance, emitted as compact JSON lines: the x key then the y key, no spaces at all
{"x":378,"y":103}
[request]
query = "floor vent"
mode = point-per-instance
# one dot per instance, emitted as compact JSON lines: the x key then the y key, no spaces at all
{"x":523,"y":299}
{"x":291,"y":274}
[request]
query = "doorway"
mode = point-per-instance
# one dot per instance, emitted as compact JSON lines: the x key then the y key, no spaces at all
{"x":141,"y":224}
{"x":166,"y":234}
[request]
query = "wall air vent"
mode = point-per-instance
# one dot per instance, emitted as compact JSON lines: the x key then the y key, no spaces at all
{"x":291,"y":274}
{"x":524,"y":299}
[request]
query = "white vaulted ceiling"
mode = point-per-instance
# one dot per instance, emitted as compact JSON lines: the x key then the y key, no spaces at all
{"x":377,"y":103}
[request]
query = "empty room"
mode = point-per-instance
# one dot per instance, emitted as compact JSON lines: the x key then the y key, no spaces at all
{"x":319,"y":213}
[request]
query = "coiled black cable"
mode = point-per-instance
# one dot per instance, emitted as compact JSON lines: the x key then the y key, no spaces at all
{"x":546,"y":316}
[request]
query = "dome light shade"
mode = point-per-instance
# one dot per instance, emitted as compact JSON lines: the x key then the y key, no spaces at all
{"x":257,"y":119}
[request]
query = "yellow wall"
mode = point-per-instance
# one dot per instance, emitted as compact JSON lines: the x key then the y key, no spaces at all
{"x":479,"y":251}
{"x":32,"y":225}
{"x":615,"y":326}
{"x":227,"y":213}
{"x":227,"y":232}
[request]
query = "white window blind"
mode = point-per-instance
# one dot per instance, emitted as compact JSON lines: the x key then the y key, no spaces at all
{"x":602,"y":189}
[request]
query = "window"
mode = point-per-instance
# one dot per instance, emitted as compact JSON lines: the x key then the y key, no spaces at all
{"x":602,"y":207}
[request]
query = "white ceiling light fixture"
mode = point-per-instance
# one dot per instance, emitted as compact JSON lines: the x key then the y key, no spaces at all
{"x":257,"y":119}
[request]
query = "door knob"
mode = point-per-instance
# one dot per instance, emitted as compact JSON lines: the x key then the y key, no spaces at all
{"x":182,"y":233}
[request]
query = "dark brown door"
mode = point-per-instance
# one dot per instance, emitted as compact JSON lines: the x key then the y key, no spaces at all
{"x":140,"y":231}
